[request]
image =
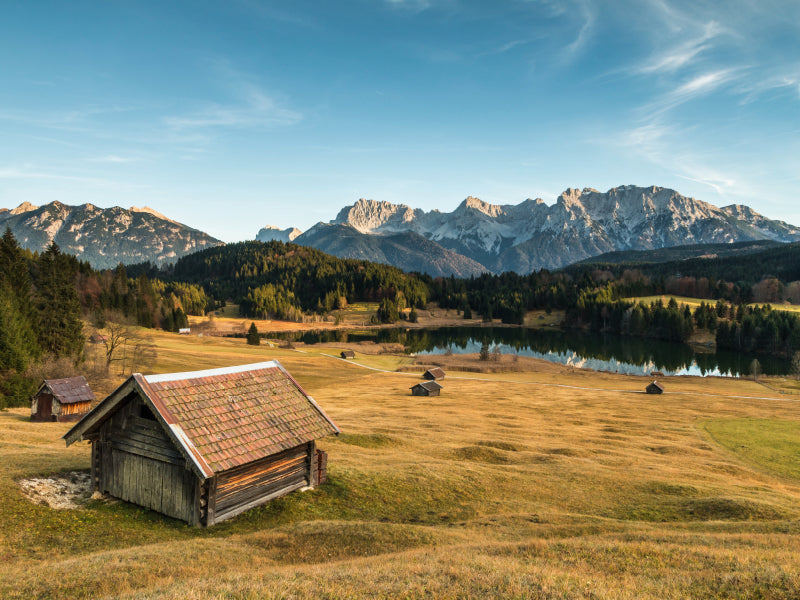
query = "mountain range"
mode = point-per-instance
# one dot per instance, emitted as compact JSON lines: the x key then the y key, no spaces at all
{"x":478,"y":236}
{"x":104,"y":237}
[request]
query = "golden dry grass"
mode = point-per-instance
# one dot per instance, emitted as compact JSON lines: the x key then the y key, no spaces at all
{"x":537,"y":484}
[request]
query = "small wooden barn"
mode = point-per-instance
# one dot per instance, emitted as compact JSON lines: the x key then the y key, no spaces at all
{"x":62,"y":400}
{"x":655,"y":388}
{"x":347,"y":354}
{"x":205,"y":446}
{"x":434,"y":374}
{"x":426,"y":388}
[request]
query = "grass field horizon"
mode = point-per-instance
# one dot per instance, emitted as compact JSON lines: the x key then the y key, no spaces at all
{"x":536,"y":484}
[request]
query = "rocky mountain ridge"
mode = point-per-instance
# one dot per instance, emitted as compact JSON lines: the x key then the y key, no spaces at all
{"x":581,"y":223}
{"x":104,"y":237}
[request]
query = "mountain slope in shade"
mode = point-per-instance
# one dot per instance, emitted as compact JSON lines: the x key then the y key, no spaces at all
{"x":408,"y":250}
{"x":104,"y":237}
{"x":581,"y":224}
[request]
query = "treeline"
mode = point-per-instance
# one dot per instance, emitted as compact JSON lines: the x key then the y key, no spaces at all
{"x":760,"y":329}
{"x":40,"y":314}
{"x":508,"y":296}
{"x":770,"y":275}
{"x":286,"y":281}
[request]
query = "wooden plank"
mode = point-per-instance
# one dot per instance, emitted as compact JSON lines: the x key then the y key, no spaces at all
{"x":258,"y":502}
{"x":262,"y":478}
{"x":231,"y":485}
{"x":211,"y":516}
{"x":145,"y":436}
{"x":245,"y":494}
{"x":136,"y":448}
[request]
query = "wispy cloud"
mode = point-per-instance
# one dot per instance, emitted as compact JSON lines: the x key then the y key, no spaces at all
{"x":113,"y":158}
{"x":588,"y":20}
{"x":699,"y":85}
{"x":682,"y":54}
{"x":251,"y":107}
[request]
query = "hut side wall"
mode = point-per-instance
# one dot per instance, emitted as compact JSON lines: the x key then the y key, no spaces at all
{"x":245,"y":487}
{"x":134,"y":460}
{"x":65,"y":413}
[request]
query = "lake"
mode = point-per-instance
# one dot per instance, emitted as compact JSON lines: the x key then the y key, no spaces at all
{"x":600,"y":352}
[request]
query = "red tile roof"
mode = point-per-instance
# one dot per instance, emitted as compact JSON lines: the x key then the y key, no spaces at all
{"x":233,"y":416}
{"x":69,"y":390}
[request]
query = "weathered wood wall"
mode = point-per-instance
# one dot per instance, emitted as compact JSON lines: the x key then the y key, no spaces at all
{"x":45,"y":407}
{"x":135,"y":461}
{"x":70,"y":412}
{"x":245,"y":487}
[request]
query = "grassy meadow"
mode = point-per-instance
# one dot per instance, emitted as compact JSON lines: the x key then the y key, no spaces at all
{"x":538,"y":484}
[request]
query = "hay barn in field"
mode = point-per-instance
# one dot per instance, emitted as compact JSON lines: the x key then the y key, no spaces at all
{"x":655,"y":388}
{"x":204,"y":446}
{"x":426,"y":388}
{"x":62,"y":400}
{"x":434,"y":374}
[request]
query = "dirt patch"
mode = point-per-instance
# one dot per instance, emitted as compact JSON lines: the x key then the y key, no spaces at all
{"x":63,"y":491}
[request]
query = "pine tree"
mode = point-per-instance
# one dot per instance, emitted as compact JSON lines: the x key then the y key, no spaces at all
{"x":253,"y":339}
{"x":58,"y":309}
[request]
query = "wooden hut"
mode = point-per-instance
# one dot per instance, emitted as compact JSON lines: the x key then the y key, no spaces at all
{"x":62,"y":400}
{"x":205,"y":446}
{"x":426,"y":388}
{"x":655,"y":388}
{"x":347,"y":354}
{"x":434,"y":374}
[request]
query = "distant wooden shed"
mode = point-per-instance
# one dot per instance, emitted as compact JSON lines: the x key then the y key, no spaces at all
{"x":655,"y":388}
{"x":426,"y":388}
{"x":433,"y":374}
{"x":62,"y":400}
{"x":347,"y":354}
{"x":204,"y":446}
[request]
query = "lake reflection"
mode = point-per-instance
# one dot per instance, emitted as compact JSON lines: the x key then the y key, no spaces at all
{"x":613,"y":353}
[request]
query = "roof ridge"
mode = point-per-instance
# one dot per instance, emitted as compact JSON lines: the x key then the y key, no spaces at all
{"x":210,"y":372}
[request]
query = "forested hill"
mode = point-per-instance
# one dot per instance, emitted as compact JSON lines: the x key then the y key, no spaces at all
{"x":782,"y":262}
{"x":281,"y":279}
{"x":672,"y":253}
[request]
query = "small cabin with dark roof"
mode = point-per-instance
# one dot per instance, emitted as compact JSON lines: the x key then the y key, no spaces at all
{"x":655,"y":388}
{"x":434,"y":374}
{"x":426,"y":388}
{"x":204,"y":446}
{"x":347,"y":354}
{"x":62,"y":400}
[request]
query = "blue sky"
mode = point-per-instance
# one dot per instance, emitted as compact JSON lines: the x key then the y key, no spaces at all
{"x":232,"y":115}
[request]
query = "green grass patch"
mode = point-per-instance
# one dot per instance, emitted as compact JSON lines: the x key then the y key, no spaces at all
{"x":772,"y":444}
